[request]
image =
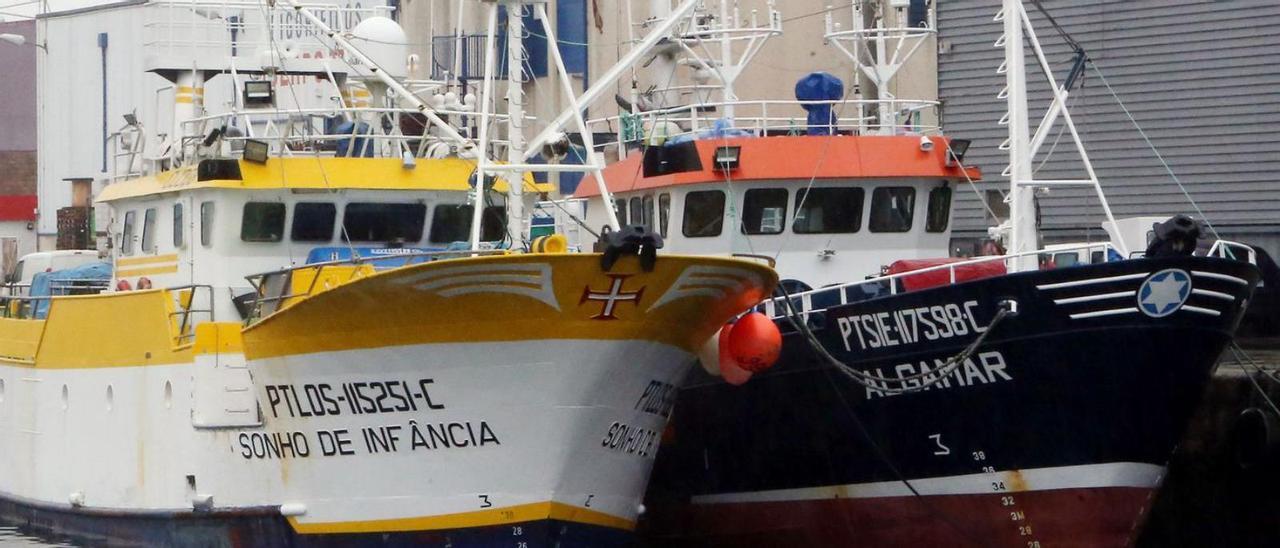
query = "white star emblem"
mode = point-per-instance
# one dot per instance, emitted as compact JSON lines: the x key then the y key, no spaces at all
{"x":1164,"y":292}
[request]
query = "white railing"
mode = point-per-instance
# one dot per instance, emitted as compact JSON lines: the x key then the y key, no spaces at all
{"x":1227,"y":249}
{"x":301,"y":131}
{"x":771,"y":117}
{"x":803,"y":301}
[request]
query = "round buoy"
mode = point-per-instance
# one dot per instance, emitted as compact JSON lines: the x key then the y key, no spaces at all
{"x":123,"y":285}
{"x":144,"y":283}
{"x":755,"y":342}
{"x":729,"y":368}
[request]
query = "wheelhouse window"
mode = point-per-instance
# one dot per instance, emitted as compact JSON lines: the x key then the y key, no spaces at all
{"x":764,"y":211}
{"x":703,"y":214}
{"x":891,"y":208}
{"x":126,"y":235}
{"x":637,"y":212}
{"x":664,"y":213}
{"x":620,"y":208}
{"x":149,"y":231}
{"x":373,"y":222}
{"x":939,"y":210}
{"x":206,"y":224}
{"x":262,"y":222}
{"x":647,"y":206}
{"x":177,"y":225}
{"x":828,"y":211}
{"x":452,"y":223}
{"x":313,"y":222}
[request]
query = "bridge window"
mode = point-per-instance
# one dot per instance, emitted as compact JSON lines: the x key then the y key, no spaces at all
{"x":664,"y":212}
{"x":372,"y":222}
{"x":764,"y":211}
{"x":637,"y":212}
{"x":206,"y":224}
{"x":703,"y":214}
{"x":648,"y":210}
{"x":939,"y":210}
{"x":452,"y":223}
{"x":828,"y":211}
{"x":126,"y":236}
{"x":313,"y":221}
{"x":892,"y":208}
{"x":177,"y":225}
{"x":262,"y":222}
{"x":149,"y":230}
{"x":620,"y":208}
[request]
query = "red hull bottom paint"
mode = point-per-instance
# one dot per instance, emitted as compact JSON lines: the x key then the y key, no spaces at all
{"x":1084,"y":517}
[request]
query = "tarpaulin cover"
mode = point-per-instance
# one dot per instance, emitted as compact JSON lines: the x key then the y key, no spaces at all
{"x":51,"y":284}
{"x":820,"y":86}
{"x":942,"y":276}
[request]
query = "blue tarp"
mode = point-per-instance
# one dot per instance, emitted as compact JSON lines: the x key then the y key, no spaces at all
{"x":721,"y":129}
{"x":820,"y":86}
{"x":52,"y":284}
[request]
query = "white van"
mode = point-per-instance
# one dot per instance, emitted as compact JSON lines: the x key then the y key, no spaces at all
{"x":50,"y":261}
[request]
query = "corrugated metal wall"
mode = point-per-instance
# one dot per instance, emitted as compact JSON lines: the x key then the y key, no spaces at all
{"x":1201,"y":77}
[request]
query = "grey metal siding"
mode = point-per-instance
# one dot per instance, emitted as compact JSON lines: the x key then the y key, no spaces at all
{"x":1201,"y":77}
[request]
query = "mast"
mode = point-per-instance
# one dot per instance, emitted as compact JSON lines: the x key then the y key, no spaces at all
{"x":1022,"y":216}
{"x":515,"y":119}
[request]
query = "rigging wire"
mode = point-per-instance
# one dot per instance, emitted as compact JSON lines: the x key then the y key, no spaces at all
{"x":1154,"y":150}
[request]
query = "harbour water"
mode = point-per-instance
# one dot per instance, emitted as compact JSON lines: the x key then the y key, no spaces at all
{"x":13,"y":537}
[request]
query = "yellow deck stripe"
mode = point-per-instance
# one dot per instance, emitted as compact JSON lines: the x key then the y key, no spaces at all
{"x":478,"y":518}
{"x":135,"y":261}
{"x":147,"y":271}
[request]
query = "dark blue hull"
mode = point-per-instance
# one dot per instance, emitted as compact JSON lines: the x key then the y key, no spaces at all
{"x":1076,"y":402}
{"x":265,"y":528}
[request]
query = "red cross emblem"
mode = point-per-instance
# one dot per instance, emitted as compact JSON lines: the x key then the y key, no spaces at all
{"x":612,"y":297}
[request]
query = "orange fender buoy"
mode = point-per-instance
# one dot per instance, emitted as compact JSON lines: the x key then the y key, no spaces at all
{"x":755,"y":342}
{"x":123,"y":285}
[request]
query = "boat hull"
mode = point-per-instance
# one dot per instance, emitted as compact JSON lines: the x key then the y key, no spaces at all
{"x":1055,"y":431}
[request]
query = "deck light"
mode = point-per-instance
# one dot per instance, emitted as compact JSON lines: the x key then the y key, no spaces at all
{"x":926,"y":144}
{"x":956,"y":149}
{"x":727,"y":158}
{"x":256,"y":151}
{"x":259,"y":93}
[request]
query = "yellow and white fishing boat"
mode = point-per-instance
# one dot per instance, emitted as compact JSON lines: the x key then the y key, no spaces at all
{"x":289,"y":353}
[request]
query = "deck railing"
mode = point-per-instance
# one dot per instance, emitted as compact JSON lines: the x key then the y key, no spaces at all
{"x":872,"y":287}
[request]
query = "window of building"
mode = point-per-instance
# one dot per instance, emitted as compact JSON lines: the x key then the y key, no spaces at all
{"x":703,"y":214}
{"x":828,"y":211}
{"x":149,"y":231}
{"x":126,"y":236}
{"x":664,"y":213}
{"x":177,"y":226}
{"x":262,"y":222}
{"x":313,"y":222}
{"x":374,"y":222}
{"x":452,"y":223}
{"x":206,"y":224}
{"x":764,"y":211}
{"x":939,"y":210}
{"x":891,"y":208}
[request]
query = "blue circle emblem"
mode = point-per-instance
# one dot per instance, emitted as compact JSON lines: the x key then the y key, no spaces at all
{"x":1164,"y":292}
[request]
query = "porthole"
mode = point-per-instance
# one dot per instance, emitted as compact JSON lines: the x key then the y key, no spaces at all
{"x":65,"y":397}
{"x":111,"y":398}
{"x":168,"y":394}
